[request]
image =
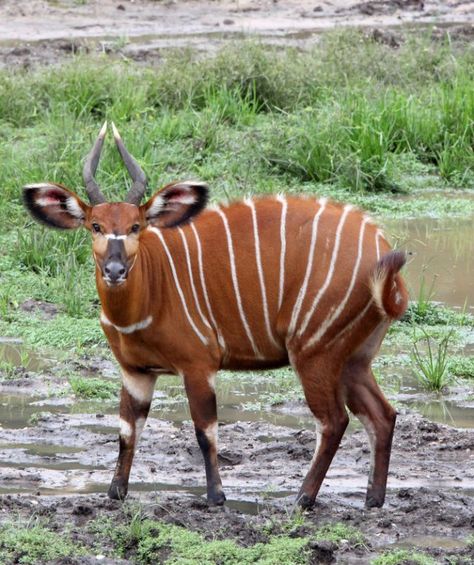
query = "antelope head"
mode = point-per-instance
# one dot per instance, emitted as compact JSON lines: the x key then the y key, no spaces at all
{"x":115,"y":226}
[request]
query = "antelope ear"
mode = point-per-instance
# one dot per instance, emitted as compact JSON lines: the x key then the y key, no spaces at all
{"x":175,"y":204}
{"x":54,"y":205}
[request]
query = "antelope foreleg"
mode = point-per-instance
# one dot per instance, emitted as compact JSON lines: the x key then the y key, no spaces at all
{"x":135,"y":401}
{"x":202,"y":403}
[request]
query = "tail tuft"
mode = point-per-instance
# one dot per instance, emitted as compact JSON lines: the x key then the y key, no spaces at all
{"x":388,"y":288}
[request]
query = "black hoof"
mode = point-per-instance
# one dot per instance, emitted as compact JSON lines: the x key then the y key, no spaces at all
{"x":216,"y":499}
{"x":305,"y":502}
{"x":374,"y":502}
{"x":117,"y":491}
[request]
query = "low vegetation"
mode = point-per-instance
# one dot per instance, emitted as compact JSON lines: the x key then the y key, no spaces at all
{"x":94,"y":388}
{"x":34,"y":543}
{"x":431,"y":362}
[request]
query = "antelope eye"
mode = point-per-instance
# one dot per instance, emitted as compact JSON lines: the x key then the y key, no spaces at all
{"x":135,"y":228}
{"x":96,"y":228}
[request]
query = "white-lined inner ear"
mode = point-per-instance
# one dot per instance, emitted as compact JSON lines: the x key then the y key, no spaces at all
{"x":156,"y":206}
{"x":74,"y":209}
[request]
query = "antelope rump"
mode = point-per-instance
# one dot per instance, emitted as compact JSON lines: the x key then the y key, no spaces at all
{"x":258,"y":283}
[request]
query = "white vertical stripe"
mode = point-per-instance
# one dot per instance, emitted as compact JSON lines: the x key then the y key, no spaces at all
{"x":337,"y":312}
{"x":330,"y":273}
{"x":351,"y":324}
{"x":378,"y":235}
{"x":220,"y":339}
{"x":178,"y":286}
{"x":309,"y":267}
{"x":250,"y":203}
{"x":191,"y":279}
{"x":284,"y":208}
{"x":235,"y":282}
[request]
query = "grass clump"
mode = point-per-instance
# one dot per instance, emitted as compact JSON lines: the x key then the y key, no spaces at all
{"x":147,"y":541}
{"x":403,"y":557}
{"x":93,"y":388}
{"x":339,"y":532}
{"x":431,"y":365}
{"x":34,"y":544}
{"x":433,"y":314}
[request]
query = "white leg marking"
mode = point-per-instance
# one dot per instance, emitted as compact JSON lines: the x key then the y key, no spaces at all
{"x":330,"y":273}
{"x":319,"y":433}
{"x":139,"y":425}
{"x":211,"y":433}
{"x":369,"y":428}
{"x":337,"y":312}
{"x":235,"y":282}
{"x":204,"y":288}
{"x":127,"y":329}
{"x":284,"y":208}
{"x":261,"y":279}
{"x":140,"y":388}
{"x":126,"y":429}
{"x":351,"y":324}
{"x":191,"y":279}
{"x":178,"y":286}
{"x":309,"y":268}
{"x":211,"y":379}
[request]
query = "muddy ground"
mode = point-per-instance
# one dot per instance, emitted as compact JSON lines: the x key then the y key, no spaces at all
{"x":37,"y":31}
{"x":58,"y":464}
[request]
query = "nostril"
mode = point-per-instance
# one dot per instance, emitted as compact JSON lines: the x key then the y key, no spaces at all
{"x":115,"y":270}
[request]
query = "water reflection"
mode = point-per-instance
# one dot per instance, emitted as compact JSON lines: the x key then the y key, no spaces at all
{"x":443,"y":253}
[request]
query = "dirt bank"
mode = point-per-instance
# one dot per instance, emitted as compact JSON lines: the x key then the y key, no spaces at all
{"x":46,"y":32}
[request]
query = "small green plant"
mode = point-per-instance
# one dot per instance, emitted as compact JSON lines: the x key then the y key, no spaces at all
{"x":33,"y":543}
{"x":94,"y":388}
{"x":431,"y":365}
{"x":8,"y":369}
{"x":339,"y":533}
{"x":462,"y":367}
{"x":402,"y":557}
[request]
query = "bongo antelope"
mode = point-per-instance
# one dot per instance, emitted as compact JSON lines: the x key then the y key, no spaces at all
{"x":259,"y":283}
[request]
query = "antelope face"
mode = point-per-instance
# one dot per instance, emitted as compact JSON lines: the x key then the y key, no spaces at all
{"x":115,"y":226}
{"x":115,"y":232}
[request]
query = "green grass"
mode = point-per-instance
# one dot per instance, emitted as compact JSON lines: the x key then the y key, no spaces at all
{"x":339,"y":532}
{"x":34,"y":543}
{"x":148,"y":541}
{"x":351,"y":119}
{"x":403,"y":557}
{"x":94,"y":388}
{"x":431,"y":361}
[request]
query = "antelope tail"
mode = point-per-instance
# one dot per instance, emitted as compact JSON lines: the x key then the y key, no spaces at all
{"x":388,"y":289}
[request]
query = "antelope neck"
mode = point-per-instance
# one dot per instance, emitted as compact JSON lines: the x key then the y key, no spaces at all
{"x":127,"y":305}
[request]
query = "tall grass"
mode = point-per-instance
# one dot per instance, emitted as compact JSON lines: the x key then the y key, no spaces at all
{"x":251,"y":118}
{"x":431,"y":363}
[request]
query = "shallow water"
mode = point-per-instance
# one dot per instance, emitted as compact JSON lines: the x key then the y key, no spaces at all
{"x":442,"y":264}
